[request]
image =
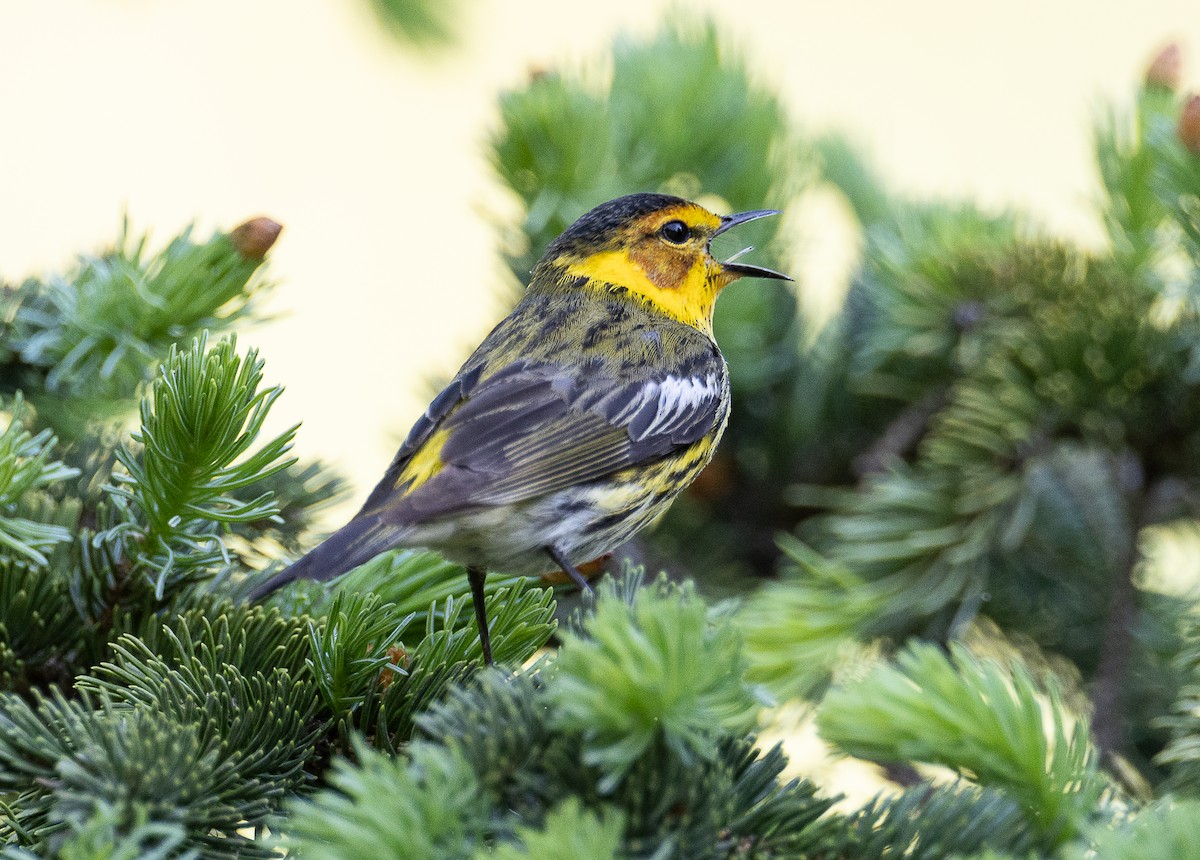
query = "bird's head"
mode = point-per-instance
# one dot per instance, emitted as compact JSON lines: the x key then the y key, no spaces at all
{"x":654,"y":247}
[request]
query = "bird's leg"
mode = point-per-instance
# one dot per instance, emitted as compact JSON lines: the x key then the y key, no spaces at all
{"x":569,"y":569}
{"x":476,"y":576}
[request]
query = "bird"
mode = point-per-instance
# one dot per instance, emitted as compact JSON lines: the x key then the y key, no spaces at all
{"x":577,"y":420}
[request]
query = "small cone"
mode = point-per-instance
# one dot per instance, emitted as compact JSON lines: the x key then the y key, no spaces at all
{"x":1166,"y":69}
{"x":1189,"y":124}
{"x":254,"y":238}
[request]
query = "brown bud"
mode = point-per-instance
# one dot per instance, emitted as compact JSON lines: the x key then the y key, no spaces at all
{"x":1166,"y":69}
{"x":397,"y":656}
{"x":254,"y":238}
{"x":1189,"y":124}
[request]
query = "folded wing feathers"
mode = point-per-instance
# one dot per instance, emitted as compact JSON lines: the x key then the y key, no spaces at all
{"x":530,"y":430}
{"x":579,"y":436}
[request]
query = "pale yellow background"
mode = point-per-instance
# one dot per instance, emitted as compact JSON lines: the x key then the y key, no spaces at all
{"x":373,"y":157}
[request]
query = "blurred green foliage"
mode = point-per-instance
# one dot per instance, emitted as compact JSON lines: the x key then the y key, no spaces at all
{"x":422,"y":25}
{"x":1010,"y":417}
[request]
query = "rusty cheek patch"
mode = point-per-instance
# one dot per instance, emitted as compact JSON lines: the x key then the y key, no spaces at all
{"x":667,"y":270}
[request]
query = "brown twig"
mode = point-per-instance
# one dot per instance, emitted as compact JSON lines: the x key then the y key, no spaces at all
{"x":1108,"y":724}
{"x":901,"y":436}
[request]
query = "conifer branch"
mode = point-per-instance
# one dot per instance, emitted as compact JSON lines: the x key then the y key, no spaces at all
{"x":988,"y":722}
{"x":352,"y":648}
{"x":201,"y":418}
{"x":1182,"y":753}
{"x":434,"y":809}
{"x":1163,"y":829}
{"x":568,"y":831}
{"x":95,"y":335}
{"x":654,"y":669}
{"x":933,"y":822}
{"x":26,"y":465}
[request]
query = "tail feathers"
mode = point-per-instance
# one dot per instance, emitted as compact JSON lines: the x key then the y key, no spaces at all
{"x":357,"y":542}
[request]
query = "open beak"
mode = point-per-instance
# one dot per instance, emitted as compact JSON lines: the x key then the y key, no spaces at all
{"x":741,"y":270}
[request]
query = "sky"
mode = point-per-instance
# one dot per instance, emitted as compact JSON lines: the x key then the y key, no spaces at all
{"x":374,"y":158}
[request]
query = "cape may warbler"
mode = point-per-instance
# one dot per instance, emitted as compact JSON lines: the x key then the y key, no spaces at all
{"x":577,"y":420}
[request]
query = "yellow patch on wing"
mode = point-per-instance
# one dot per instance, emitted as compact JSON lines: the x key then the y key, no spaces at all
{"x":684,"y":296}
{"x":424,"y":464}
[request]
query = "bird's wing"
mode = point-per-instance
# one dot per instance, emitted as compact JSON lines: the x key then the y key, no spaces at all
{"x":448,"y":399}
{"x":531,"y":429}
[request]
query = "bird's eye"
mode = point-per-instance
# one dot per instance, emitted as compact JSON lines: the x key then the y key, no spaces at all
{"x":675,"y":232}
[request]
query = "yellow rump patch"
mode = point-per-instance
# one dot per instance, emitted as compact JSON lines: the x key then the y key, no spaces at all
{"x":424,"y":464}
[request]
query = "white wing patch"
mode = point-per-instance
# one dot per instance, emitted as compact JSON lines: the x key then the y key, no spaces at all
{"x":674,"y":400}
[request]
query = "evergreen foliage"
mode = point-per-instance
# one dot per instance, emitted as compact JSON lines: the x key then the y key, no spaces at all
{"x":1182,"y":752}
{"x":651,"y":668}
{"x":570,"y":832}
{"x":146,"y":713}
{"x":987,"y":432}
{"x":426,"y":807}
{"x":207,"y":406}
{"x":1166,"y":829}
{"x":984,"y":720}
{"x":85,"y":341}
{"x":691,"y":790}
{"x":420,"y":24}
{"x":999,"y":420}
{"x":930,"y":822}
{"x":25,"y":466}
